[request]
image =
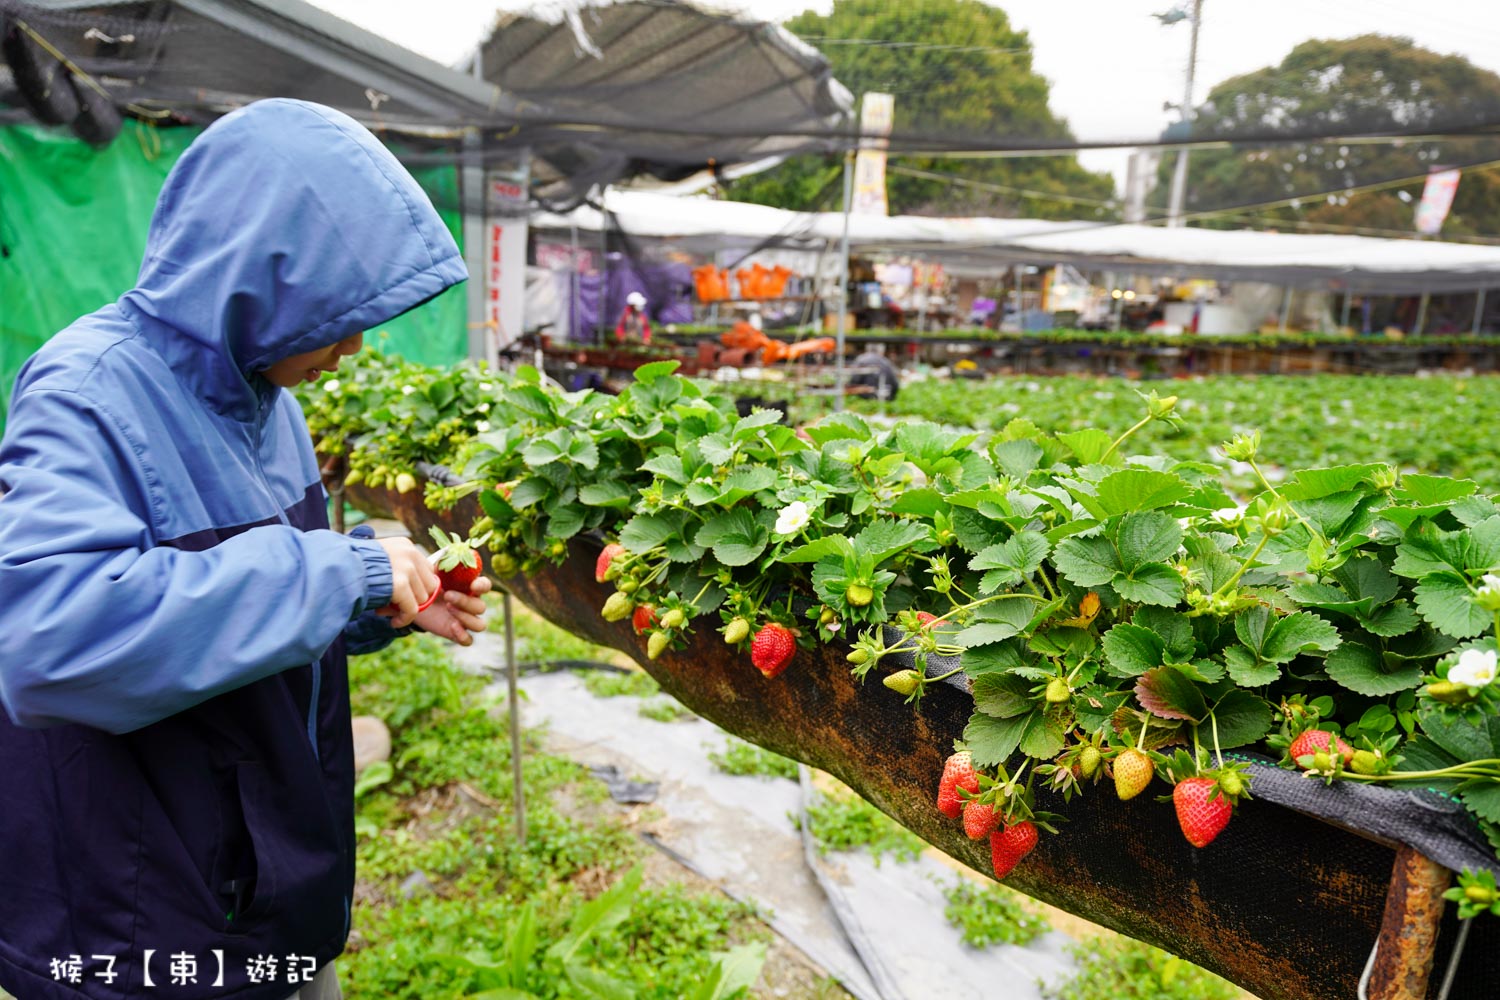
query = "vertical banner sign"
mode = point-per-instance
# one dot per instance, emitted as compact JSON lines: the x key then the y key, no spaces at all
{"x":876,"y":115}
{"x":505,"y":257}
{"x":1437,"y":198}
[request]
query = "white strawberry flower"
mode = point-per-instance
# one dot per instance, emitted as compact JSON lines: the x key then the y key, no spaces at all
{"x":483,"y":407}
{"x":407,"y":390}
{"x":1474,"y":669}
{"x":1490,"y":582}
{"x":792,"y":518}
{"x":1228,"y":516}
{"x":486,"y":386}
{"x":332,"y":385}
{"x":482,"y":426}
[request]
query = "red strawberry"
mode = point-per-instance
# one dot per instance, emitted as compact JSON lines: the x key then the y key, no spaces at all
{"x":605,"y":558}
{"x":772,"y":648}
{"x":457,"y":564}
{"x":1133,"y":772}
{"x":1202,"y":818}
{"x":1314,"y":741}
{"x":1010,"y":845}
{"x":958,"y":772}
{"x":643,"y":617}
{"x":928,"y":619}
{"x":980,"y":819}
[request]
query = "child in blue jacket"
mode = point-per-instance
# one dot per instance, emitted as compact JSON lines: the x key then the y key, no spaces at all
{"x":178,"y":770}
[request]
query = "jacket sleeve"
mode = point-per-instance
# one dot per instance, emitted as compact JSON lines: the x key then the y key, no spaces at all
{"x":105,"y":628}
{"x":370,"y":633}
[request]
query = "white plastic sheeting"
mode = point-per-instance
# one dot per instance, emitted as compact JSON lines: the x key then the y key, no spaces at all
{"x":1355,"y":263}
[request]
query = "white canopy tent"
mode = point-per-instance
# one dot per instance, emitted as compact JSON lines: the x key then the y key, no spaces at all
{"x":1342,"y":263}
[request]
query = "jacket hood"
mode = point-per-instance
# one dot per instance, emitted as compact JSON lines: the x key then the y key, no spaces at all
{"x":284,"y":228}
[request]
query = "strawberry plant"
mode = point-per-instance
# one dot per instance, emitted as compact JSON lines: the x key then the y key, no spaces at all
{"x":1105,"y":603}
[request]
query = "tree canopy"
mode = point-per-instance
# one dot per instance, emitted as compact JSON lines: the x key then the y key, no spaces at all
{"x":955,"y":67}
{"x":1372,"y":83}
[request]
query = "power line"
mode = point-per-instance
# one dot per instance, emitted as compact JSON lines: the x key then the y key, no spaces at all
{"x":914,"y":46}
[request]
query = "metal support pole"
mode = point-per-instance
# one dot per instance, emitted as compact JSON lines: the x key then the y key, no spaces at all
{"x":1421,"y":324}
{"x":473,"y":199}
{"x":1478,"y":311}
{"x":1348,"y":302}
{"x":1179,"y":173}
{"x":843,"y":294}
{"x":1402,"y":961}
{"x":518,"y":795}
{"x":1286,"y":308}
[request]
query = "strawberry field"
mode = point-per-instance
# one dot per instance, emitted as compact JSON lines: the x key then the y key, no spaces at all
{"x":1132,"y":596}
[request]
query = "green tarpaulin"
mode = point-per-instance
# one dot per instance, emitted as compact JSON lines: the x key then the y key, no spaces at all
{"x":73,"y":227}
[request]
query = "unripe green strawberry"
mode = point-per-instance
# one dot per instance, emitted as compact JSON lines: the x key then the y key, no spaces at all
{"x":483,"y":525}
{"x":1366,"y":762}
{"x":628,"y":586}
{"x":504,"y":564}
{"x":858,"y":595}
{"x":673,"y":619}
{"x":737,"y":631}
{"x":826,"y":617}
{"x":656,"y":644}
{"x":1450,"y":693}
{"x":1089,"y":759}
{"x":858,"y":656}
{"x":1482,"y":895}
{"x":354,"y":478}
{"x":406,"y":482}
{"x":1058,"y":692}
{"x":1232,"y":783}
{"x":903,"y":681}
{"x":1133,"y":772}
{"x":617,"y":607}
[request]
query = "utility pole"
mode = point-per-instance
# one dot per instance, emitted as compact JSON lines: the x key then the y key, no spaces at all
{"x":1179,"y":175}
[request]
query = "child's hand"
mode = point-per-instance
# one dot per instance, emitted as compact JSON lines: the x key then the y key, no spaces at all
{"x":454,"y":615}
{"x":413,"y":580}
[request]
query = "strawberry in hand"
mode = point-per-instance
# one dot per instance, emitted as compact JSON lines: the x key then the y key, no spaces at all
{"x":457,"y":563}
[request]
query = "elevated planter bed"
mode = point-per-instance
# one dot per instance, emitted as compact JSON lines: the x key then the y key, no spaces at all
{"x":1287,"y":902}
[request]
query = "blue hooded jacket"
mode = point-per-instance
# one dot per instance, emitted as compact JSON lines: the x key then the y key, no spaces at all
{"x":176,"y":763}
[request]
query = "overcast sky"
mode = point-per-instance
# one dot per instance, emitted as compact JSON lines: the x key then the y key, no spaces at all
{"x":1111,"y":64}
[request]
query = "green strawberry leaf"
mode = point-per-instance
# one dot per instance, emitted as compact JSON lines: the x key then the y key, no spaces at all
{"x":1302,"y":632}
{"x":997,"y":657}
{"x":819,"y":549}
{"x":644,"y":532}
{"x":1151,"y":537}
{"x":1311,"y":484}
{"x":882,"y":539}
{"x":925,"y":503}
{"x":993,"y":740}
{"x":1043,"y":736}
{"x":1247,"y":669}
{"x":1096,"y":705}
{"x":1012,"y":561}
{"x":1420,"y":489}
{"x":1004,"y":696}
{"x":1088,"y":562}
{"x":1140,"y":489}
{"x":1483,"y":800}
{"x":1364,"y":671}
{"x":1176,"y":630}
{"x":1131,"y":650}
{"x":1240,"y":719}
{"x":736,"y":537}
{"x":1152,"y":583}
{"x":1391,"y":620}
{"x":1016,"y":458}
{"x":1089,"y":444}
{"x":1446,"y":601}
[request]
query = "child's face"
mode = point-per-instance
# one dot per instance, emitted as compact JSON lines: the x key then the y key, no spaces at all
{"x":310,"y":366}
